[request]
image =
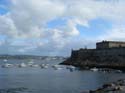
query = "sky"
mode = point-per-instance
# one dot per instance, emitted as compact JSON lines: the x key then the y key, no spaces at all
{"x":55,"y":27}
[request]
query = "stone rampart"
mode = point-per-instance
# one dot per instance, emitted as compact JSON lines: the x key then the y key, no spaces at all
{"x":97,"y":57}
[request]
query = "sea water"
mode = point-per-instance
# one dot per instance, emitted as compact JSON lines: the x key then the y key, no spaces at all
{"x":37,"y":80}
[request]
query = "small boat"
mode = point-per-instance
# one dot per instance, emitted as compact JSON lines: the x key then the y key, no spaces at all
{"x":94,"y":69}
{"x":57,"y":67}
{"x":22,"y":65}
{"x":34,"y":65}
{"x":6,"y":65}
{"x":30,"y":62}
{"x":5,"y":60}
{"x":118,"y":71}
{"x":44,"y":66}
{"x":70,"y":67}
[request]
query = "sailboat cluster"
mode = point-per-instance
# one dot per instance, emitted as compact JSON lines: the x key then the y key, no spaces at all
{"x":32,"y":64}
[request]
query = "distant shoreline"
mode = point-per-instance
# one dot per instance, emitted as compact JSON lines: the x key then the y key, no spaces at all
{"x":28,"y":57}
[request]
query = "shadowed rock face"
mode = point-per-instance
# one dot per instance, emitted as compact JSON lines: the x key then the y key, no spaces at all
{"x":103,"y":58}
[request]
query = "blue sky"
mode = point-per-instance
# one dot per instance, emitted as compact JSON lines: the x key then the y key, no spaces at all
{"x":97,"y":27}
{"x":28,"y":27}
{"x":3,"y":2}
{"x":4,"y":10}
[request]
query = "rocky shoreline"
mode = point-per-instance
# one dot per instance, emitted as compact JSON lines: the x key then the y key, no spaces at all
{"x":113,"y":87}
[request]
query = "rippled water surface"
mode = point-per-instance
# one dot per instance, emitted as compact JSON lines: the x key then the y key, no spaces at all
{"x":37,"y":80}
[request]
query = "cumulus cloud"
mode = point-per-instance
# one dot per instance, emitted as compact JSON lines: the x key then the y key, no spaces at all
{"x":25,"y":25}
{"x":116,"y":33}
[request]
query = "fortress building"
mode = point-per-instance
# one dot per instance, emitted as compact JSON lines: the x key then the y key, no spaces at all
{"x":106,"y":54}
{"x":109,"y":44}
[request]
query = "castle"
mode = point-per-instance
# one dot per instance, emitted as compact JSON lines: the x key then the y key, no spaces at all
{"x":106,"y":54}
{"x":109,"y":44}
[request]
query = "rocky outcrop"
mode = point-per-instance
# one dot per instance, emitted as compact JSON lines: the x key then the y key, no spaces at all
{"x":114,"y":87}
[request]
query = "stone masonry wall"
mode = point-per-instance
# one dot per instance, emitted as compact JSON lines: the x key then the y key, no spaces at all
{"x":101,"y":56}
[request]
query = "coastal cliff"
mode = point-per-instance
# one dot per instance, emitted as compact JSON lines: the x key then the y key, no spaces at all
{"x":111,"y":55}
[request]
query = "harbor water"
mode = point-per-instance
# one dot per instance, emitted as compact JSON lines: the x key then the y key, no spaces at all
{"x":49,"y":80}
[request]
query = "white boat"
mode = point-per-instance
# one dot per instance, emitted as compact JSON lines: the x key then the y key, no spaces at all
{"x":94,"y":69}
{"x":30,"y":62}
{"x":44,"y":66}
{"x":34,"y":65}
{"x":53,"y":66}
{"x":70,"y":67}
{"x":5,"y":60}
{"x":57,"y":67}
{"x":22,"y":65}
{"x":6,"y":65}
{"x":118,"y":71}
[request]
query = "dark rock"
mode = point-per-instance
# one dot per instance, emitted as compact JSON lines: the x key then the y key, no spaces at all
{"x":111,"y":88}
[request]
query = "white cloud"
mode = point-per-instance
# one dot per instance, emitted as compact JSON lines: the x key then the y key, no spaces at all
{"x":27,"y":20}
{"x":7,"y":27}
{"x":116,"y":33}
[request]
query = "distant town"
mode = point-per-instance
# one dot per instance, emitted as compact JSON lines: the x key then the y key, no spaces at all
{"x":30,"y":57}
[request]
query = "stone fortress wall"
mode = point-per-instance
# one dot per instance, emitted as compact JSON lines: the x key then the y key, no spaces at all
{"x":102,"y":49}
{"x":109,"y":44}
{"x":106,"y":52}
